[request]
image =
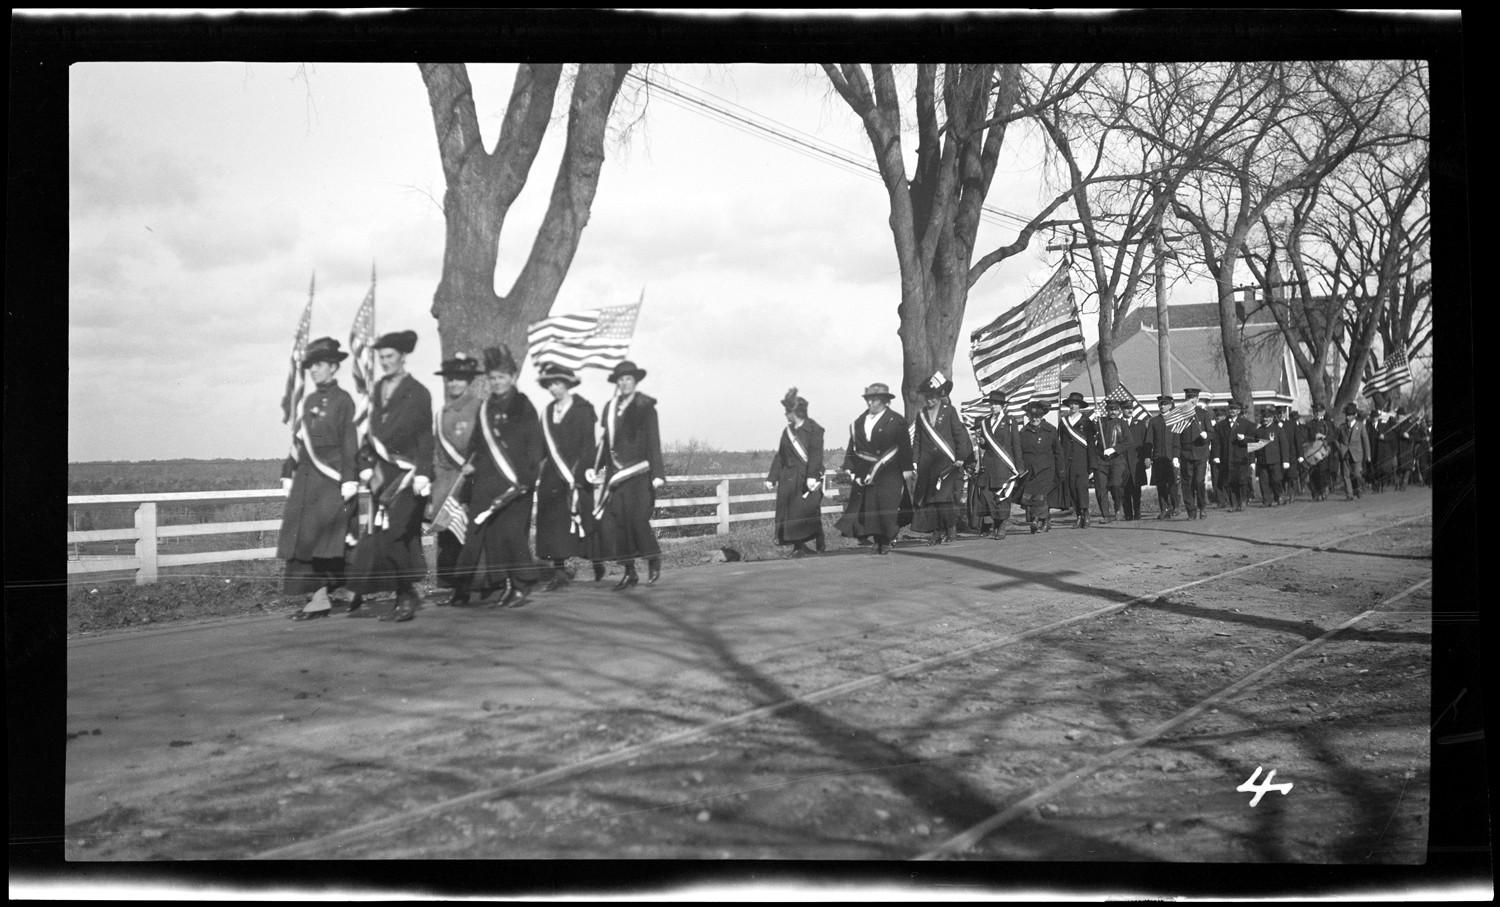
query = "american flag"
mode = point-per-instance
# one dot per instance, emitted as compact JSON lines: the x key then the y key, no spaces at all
{"x":291,"y":401}
{"x":598,"y":338}
{"x":1045,"y":385}
{"x":1180,"y":415}
{"x":1043,"y":331}
{"x":1388,"y":379}
{"x":361,"y":338}
{"x":451,"y":516}
{"x":1122,"y":394}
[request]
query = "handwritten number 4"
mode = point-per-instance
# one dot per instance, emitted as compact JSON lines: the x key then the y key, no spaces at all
{"x":1260,"y":790}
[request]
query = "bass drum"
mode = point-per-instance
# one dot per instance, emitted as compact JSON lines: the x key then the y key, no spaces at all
{"x":1315,"y":451}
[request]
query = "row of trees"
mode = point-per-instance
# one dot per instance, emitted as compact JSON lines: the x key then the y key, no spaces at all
{"x":1310,"y":177}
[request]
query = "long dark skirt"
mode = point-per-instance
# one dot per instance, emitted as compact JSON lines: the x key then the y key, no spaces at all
{"x":625,"y":528}
{"x":497,"y":550}
{"x":798,"y":518}
{"x":985,"y":503}
{"x":555,"y":538}
{"x":388,"y":559}
{"x":878,"y":510}
{"x":316,"y":517}
{"x":307,"y":577}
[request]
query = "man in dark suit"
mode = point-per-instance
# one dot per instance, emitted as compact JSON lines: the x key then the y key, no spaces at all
{"x":1165,"y":458}
{"x":1218,"y":457}
{"x":1137,"y":459}
{"x":398,"y":456}
{"x":797,"y":478}
{"x":1322,"y":474}
{"x":999,"y":464}
{"x":628,"y":470}
{"x":1269,"y":466}
{"x":940,"y":448}
{"x":1351,"y":447}
{"x":1042,"y":459}
{"x":1195,"y":449}
{"x":1238,"y":433}
{"x":1112,"y":459}
{"x":1076,"y":435}
{"x":878,"y":462}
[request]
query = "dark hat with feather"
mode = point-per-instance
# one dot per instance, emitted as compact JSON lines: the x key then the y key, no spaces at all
{"x":499,"y":359}
{"x":793,"y":403}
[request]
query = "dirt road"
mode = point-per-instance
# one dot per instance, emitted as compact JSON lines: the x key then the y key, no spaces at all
{"x":470,"y":733}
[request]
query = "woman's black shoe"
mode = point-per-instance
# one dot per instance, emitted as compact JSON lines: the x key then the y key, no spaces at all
{"x":653,"y":570}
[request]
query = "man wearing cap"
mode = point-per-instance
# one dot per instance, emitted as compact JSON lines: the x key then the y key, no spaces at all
{"x":565,"y":525}
{"x":1319,"y":430}
{"x":1267,"y":460}
{"x":398,"y":467}
{"x":797,"y":478}
{"x":1403,"y":432}
{"x":1350,"y":445}
{"x":940,"y":448}
{"x":1111,"y":461}
{"x":1137,"y":459}
{"x":1042,"y":459}
{"x":1239,"y":431}
{"x":878,"y":462}
{"x":1075,"y":434}
{"x":1296,"y":436}
{"x":1219,"y":457}
{"x":999,"y":464}
{"x":1421,"y":458}
{"x":627,"y":471}
{"x":319,"y":479}
{"x":1165,"y":458}
{"x":451,"y":433}
{"x":505,"y":453}
{"x":1386,"y":457}
{"x":1195,"y":443}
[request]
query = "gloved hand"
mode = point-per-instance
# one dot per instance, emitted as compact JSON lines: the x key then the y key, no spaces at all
{"x":365,"y":475}
{"x":657,"y":483}
{"x":286,"y":486}
{"x":770,"y":485}
{"x":479,"y":520}
{"x":1109,"y":451}
{"x":349,"y":490}
{"x":910,"y":475}
{"x":1176,"y":463}
{"x":1216,"y":459}
{"x":1286,"y":466}
{"x":593,"y":477}
{"x":467,"y":469}
{"x":421,"y":485}
{"x":813,"y":483}
{"x":1202,"y":434}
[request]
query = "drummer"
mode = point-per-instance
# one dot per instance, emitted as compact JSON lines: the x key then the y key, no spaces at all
{"x":1321,"y":467}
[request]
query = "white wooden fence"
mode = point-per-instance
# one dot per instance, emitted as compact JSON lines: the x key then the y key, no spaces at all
{"x":147,"y":560}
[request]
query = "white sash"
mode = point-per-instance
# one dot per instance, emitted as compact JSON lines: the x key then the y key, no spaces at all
{"x":1072,"y":431}
{"x":932,"y":433}
{"x":302,"y":436}
{"x":448,"y":448}
{"x":796,"y":444}
{"x":496,"y":453}
{"x":984,"y":425}
{"x":567,"y":474}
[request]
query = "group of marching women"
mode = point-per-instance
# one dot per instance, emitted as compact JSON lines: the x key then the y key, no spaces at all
{"x":472,"y":471}
{"x":937,"y":474}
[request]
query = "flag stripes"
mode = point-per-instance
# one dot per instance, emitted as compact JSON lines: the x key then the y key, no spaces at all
{"x":291,"y":401}
{"x":1043,"y":331}
{"x":361,"y":340}
{"x":451,"y":516}
{"x":598,"y":338}
{"x":1181,"y":415}
{"x":1121,"y":394}
{"x":1386,"y":380}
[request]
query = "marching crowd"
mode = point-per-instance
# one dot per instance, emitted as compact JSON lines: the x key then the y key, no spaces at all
{"x":474,"y":469}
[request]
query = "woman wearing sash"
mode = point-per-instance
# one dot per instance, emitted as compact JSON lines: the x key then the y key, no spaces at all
{"x":1042,"y":459}
{"x":398,"y":451}
{"x":627,"y":471}
{"x":452,"y":431}
{"x":940,"y":448}
{"x":797,"y":478}
{"x":999,"y":466}
{"x":319,"y":479}
{"x":505,"y":453}
{"x":878,"y":462}
{"x":1111,"y":447}
{"x":565,"y":524}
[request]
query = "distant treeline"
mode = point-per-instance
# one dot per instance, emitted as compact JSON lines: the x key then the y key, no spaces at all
{"x":158,"y":476}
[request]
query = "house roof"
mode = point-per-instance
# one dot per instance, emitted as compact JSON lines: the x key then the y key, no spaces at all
{"x":1197,"y":358}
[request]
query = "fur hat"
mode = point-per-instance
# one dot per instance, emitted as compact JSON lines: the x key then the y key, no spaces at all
{"x":324,"y":349}
{"x":402,"y":342}
{"x":499,"y":359}
{"x":793,"y":403}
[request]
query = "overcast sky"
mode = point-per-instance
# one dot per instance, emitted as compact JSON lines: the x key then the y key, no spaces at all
{"x":205,"y":195}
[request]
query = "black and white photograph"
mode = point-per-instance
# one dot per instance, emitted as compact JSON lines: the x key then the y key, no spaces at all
{"x":1038,"y":470}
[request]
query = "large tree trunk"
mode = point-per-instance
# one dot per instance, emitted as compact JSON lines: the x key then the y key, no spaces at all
{"x":482,"y":185}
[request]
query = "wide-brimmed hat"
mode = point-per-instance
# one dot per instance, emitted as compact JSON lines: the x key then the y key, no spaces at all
{"x":1350,"y":409}
{"x":878,"y":390}
{"x":324,"y":349}
{"x":626,"y":368}
{"x":499,"y":359}
{"x":552,"y":372}
{"x":1077,"y":398}
{"x":402,"y":342}
{"x":793,"y":403}
{"x":938,"y":385}
{"x":1165,"y":399}
{"x":995,"y":398}
{"x":460,"y":367}
{"x":1037,"y":406}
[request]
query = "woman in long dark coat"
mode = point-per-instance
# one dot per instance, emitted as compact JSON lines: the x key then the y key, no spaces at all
{"x":627,"y":471}
{"x":319,"y":478}
{"x":879,"y":463}
{"x":1042,"y":458}
{"x":565,"y":525}
{"x":505,"y":454}
{"x":940,"y":448}
{"x":797,"y":477}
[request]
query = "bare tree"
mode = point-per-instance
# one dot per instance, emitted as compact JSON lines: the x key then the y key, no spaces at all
{"x":935,"y":213}
{"x":482,"y":185}
{"x":1298,"y":123}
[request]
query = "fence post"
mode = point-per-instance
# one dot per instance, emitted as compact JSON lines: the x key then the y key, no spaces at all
{"x":145,"y":544}
{"x":724,"y":507}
